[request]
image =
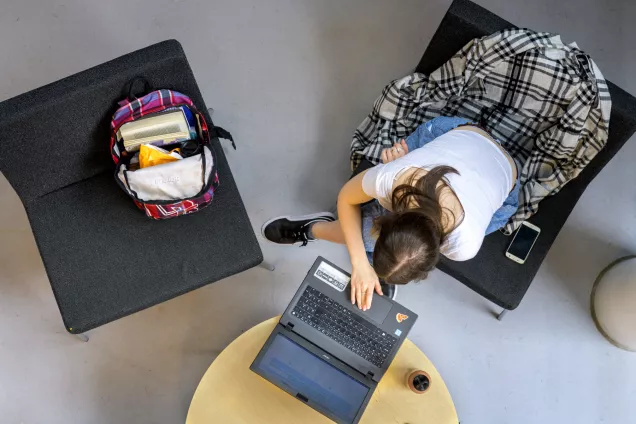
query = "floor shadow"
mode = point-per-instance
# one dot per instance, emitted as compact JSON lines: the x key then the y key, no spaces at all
{"x":577,"y":257}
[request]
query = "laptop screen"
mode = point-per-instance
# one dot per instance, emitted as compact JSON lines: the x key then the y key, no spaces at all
{"x":301,"y":371}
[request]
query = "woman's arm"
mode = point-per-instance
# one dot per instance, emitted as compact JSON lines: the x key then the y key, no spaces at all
{"x":363,"y":278}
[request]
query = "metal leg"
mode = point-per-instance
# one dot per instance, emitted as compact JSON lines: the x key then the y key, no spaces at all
{"x":501,"y":314}
{"x":83,"y":337}
{"x":268,"y":266}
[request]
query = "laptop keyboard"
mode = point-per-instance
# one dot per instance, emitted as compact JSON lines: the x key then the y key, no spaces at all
{"x":345,"y":327}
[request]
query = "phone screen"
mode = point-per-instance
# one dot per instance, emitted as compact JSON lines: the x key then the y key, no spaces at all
{"x":523,"y":241}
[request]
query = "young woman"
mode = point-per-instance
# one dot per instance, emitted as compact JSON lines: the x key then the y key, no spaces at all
{"x":435,"y":193}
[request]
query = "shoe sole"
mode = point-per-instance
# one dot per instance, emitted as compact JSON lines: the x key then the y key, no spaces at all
{"x":296,"y":218}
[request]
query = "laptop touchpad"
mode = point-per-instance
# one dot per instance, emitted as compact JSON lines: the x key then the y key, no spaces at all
{"x":380,"y":308}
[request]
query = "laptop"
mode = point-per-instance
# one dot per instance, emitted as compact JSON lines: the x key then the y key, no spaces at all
{"x":327,"y":352}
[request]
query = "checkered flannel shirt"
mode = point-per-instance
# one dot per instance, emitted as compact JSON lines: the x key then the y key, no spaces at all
{"x":547,"y":102}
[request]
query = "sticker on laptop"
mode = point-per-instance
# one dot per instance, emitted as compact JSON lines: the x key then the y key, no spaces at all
{"x":331,"y":276}
{"x":401,"y":317}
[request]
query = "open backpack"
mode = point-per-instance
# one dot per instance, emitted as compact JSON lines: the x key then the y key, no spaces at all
{"x":170,"y":189}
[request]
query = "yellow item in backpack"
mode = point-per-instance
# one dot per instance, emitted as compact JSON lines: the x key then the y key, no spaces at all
{"x":150,"y":155}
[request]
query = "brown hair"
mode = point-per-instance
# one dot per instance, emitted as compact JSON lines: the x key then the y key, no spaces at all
{"x":408,"y":241}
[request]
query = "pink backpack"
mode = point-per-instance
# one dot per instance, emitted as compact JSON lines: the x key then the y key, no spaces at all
{"x":176,"y":188}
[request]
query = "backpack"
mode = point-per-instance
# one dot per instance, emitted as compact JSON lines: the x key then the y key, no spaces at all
{"x":172,"y":189}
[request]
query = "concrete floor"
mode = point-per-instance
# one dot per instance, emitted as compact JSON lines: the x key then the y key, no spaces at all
{"x":291,"y":80}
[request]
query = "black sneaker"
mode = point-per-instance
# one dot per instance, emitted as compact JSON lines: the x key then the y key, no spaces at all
{"x":293,"y":229}
{"x":388,"y":290}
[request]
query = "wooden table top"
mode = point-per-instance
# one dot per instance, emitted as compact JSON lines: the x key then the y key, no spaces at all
{"x":230,"y":393}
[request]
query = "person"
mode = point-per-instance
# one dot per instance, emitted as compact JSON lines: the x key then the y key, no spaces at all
{"x":440,"y":191}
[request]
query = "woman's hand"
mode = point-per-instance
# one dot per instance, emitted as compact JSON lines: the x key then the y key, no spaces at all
{"x":397,"y":151}
{"x":363,"y":281}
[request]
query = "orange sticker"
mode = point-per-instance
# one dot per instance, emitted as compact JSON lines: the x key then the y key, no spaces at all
{"x":401,"y":317}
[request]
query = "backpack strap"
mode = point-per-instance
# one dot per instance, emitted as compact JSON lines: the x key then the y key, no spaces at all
{"x":131,"y":86}
{"x":219,"y":132}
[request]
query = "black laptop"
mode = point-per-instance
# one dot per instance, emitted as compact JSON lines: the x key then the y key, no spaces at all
{"x":327,"y":352}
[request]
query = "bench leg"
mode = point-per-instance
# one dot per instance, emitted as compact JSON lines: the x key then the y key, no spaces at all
{"x":267,"y":265}
{"x":501,"y":314}
{"x":82,"y":336}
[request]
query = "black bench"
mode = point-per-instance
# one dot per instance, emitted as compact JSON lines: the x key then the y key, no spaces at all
{"x":103,"y":257}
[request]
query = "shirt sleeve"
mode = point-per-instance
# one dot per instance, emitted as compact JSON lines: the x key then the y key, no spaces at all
{"x":378,"y":182}
{"x":369,"y":181}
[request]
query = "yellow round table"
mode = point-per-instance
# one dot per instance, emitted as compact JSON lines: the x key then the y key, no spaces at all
{"x":230,"y":393}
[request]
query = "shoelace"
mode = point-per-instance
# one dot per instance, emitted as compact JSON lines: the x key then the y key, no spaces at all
{"x":300,"y":237}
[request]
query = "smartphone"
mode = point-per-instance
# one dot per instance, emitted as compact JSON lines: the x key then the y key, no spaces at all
{"x":522,"y":242}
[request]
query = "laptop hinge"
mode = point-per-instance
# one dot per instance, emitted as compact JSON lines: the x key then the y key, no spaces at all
{"x":289,"y":326}
{"x":369,"y":375}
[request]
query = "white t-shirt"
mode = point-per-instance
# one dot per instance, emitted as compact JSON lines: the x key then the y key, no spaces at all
{"x":483,"y":183}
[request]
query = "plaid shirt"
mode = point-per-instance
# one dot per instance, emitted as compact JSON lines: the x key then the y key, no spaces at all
{"x":547,"y":102}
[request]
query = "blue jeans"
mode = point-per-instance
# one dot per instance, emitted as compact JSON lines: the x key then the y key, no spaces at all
{"x":423,"y":135}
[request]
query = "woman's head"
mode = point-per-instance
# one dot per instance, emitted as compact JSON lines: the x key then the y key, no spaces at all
{"x":409,"y":239}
